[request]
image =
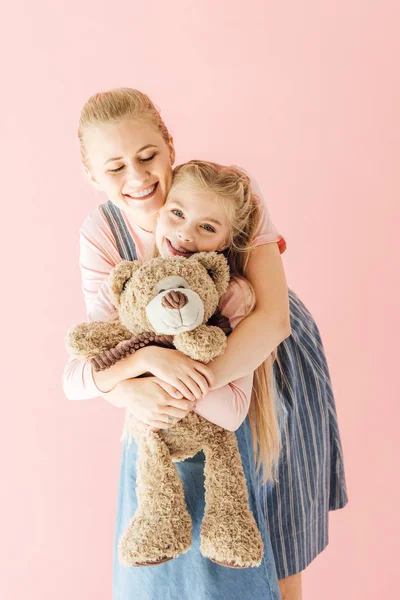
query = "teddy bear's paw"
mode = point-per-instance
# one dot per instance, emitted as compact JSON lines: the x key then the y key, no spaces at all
{"x":203,"y":343}
{"x":151,"y":541}
{"x":232,"y":542}
{"x":90,"y":339}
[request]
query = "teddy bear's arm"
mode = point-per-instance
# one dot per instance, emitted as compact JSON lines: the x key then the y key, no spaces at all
{"x":109,"y":357}
{"x":203,"y":343}
{"x":89,"y":339}
{"x":219,"y":320}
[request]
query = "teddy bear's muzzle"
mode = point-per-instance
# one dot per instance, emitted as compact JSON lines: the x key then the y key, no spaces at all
{"x":175,"y":311}
{"x":174,"y":300}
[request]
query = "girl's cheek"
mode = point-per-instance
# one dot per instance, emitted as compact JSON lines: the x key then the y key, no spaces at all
{"x":168,"y":223}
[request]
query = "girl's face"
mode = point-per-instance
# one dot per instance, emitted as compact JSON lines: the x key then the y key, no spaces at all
{"x":190,"y":221}
{"x":132,"y":164}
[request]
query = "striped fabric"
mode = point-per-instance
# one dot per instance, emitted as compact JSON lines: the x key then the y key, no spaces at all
{"x":125,"y":244}
{"x":311,"y":478}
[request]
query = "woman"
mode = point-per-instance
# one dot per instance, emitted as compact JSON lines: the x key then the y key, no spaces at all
{"x":128,"y":153}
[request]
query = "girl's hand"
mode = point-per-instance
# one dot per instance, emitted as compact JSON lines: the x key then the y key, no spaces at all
{"x":151,"y":401}
{"x":192,"y":378}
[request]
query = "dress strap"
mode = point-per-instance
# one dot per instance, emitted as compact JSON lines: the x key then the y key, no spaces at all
{"x":126,"y":245}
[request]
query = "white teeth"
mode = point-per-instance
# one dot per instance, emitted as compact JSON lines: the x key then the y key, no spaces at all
{"x":143,"y":193}
{"x":180,"y":249}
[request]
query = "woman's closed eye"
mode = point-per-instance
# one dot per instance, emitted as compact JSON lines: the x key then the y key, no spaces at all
{"x":141,"y":160}
{"x":149,"y":158}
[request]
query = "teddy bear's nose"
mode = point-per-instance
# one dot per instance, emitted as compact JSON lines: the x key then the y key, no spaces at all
{"x":174,"y":300}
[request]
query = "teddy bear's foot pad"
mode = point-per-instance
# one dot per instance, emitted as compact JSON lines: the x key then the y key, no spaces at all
{"x":152,"y":564}
{"x":226,"y":564}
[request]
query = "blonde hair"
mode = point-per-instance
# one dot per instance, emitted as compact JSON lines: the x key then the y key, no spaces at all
{"x":232,"y":187}
{"x":116,"y":105}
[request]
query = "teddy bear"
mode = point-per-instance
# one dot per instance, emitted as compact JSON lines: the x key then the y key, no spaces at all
{"x":170,"y":300}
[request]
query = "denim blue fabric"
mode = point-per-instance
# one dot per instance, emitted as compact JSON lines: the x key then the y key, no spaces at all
{"x":191,"y":576}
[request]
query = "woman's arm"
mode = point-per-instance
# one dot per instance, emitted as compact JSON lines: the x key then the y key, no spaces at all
{"x":266,"y":327}
{"x":151,"y":403}
{"x":81,"y":382}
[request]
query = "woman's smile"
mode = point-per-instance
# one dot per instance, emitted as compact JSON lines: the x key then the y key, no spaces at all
{"x":143,"y":194}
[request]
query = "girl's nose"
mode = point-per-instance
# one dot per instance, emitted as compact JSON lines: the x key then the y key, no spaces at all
{"x":185,"y":234}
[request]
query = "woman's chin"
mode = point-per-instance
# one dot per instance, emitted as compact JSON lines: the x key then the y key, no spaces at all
{"x":148,"y":207}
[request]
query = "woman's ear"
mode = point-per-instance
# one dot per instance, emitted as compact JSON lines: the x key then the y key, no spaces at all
{"x":171,"y":149}
{"x":92,"y":179}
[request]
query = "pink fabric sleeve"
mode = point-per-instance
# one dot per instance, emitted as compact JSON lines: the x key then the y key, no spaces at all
{"x":98,"y":255}
{"x":228,"y":406}
{"x":266,"y":232}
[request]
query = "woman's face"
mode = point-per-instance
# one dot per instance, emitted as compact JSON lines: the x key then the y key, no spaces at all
{"x":132,"y":164}
{"x":190,"y":221}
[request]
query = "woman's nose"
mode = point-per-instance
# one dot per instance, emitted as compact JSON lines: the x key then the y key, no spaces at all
{"x":137,"y":175}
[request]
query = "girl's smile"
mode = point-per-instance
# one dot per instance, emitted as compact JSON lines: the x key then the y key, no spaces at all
{"x":178,"y":250}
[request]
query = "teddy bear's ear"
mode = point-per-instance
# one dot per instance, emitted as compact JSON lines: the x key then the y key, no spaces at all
{"x":217,"y":267}
{"x":119,"y":277}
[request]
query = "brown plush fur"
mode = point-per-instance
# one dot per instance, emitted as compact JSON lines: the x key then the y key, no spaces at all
{"x":133,"y":287}
{"x":161,"y":527}
{"x":229,"y":534}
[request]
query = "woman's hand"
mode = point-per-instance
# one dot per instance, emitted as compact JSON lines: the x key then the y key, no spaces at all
{"x":193,"y":379}
{"x":151,"y":401}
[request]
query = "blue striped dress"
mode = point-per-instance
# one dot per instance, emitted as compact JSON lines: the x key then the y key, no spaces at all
{"x":311,"y":478}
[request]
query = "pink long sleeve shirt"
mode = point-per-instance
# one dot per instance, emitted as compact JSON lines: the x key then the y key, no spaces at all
{"x":226,"y":406}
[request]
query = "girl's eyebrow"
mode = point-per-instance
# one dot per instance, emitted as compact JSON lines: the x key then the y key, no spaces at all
{"x":137,"y":152}
{"x":213,"y":221}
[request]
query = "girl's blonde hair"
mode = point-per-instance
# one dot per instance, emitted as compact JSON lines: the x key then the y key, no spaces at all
{"x":231,"y":186}
{"x":116,"y":105}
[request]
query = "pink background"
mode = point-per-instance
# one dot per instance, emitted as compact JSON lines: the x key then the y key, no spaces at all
{"x":305,"y":95}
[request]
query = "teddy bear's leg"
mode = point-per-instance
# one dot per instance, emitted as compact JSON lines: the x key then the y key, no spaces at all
{"x":229,"y":534}
{"x":161,"y":528}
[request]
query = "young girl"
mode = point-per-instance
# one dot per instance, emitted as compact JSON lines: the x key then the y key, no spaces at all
{"x":211,"y":208}
{"x":128,"y":153}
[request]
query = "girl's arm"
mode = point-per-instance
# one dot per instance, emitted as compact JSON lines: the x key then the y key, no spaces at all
{"x":266,"y":327}
{"x":227,"y":406}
